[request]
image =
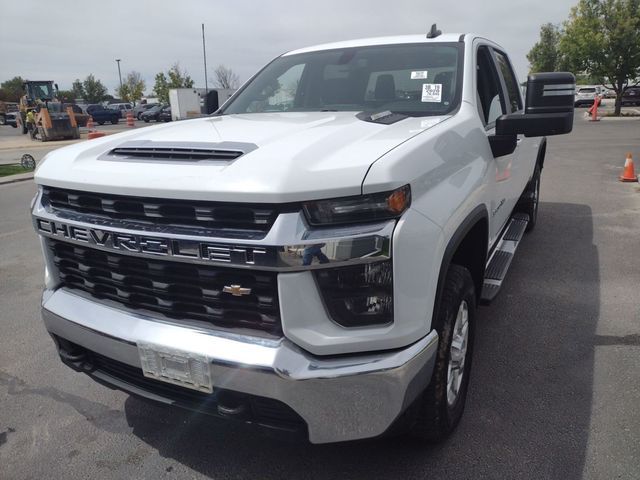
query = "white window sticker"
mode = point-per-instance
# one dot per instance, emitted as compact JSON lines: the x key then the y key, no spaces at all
{"x":431,"y":92}
{"x":419,"y":75}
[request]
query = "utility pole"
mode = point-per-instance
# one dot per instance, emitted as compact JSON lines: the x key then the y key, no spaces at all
{"x":204,"y":55}
{"x":119,"y":74}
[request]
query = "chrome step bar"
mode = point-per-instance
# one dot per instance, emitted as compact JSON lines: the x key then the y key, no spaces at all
{"x":500,"y":259}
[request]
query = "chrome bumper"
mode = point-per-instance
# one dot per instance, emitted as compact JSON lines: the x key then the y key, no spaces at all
{"x":340,"y":398}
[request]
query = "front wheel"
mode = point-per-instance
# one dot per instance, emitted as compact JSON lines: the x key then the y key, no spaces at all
{"x":114,"y":121}
{"x":440,"y":407}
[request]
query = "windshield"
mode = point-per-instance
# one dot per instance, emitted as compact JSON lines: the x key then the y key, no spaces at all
{"x":414,"y":79}
{"x":40,"y":90}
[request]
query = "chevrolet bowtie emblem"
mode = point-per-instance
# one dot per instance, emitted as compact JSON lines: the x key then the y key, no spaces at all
{"x":236,"y":290}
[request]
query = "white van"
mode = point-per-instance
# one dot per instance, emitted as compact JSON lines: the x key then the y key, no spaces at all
{"x":124,"y":108}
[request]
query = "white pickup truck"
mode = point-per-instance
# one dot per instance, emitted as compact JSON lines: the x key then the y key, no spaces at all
{"x":309,"y":258}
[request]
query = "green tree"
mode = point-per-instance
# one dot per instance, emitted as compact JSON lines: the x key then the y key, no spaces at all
{"x":78,"y":89}
{"x":175,"y":78}
{"x":94,"y":90}
{"x":161,"y":88}
{"x":133,"y":87}
{"x":13,"y":89}
{"x":602,"y":39}
{"x":67,"y":96}
{"x":544,"y":55}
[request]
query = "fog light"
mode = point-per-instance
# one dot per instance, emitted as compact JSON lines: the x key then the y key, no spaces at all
{"x":359,"y":295}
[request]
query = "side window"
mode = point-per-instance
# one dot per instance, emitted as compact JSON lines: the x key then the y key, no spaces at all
{"x":510,"y":81}
{"x":490,"y":100}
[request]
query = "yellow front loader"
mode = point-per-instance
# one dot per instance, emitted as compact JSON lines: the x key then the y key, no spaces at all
{"x":51,"y":121}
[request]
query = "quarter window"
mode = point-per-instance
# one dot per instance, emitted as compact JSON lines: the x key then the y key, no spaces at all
{"x":510,"y":81}
{"x":489,"y":94}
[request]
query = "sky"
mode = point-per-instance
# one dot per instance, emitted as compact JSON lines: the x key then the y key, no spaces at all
{"x":62,"y":40}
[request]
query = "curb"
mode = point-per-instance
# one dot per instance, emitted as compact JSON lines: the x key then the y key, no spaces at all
{"x":20,"y":177}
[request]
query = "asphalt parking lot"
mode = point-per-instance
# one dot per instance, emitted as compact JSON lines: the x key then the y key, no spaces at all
{"x":13,"y":144}
{"x":554,"y":392}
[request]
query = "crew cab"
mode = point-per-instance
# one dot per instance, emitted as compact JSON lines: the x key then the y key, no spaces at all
{"x":309,"y":258}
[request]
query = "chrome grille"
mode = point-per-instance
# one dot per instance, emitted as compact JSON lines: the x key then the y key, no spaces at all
{"x":188,"y":213}
{"x":177,"y":290}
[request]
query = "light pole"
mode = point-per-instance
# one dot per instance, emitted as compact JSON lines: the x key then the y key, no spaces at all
{"x":119,"y":74}
{"x":204,"y":55}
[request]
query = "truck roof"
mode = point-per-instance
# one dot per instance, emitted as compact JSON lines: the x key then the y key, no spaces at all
{"x":364,"y":42}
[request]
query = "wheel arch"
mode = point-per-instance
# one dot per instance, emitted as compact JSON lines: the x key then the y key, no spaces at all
{"x":468,"y":247}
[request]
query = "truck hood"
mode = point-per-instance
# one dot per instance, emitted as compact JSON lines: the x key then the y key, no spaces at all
{"x":291,"y":157}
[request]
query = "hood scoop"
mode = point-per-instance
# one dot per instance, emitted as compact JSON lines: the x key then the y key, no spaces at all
{"x":182,"y":151}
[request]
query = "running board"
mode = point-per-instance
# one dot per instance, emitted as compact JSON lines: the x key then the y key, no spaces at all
{"x":500,"y":260}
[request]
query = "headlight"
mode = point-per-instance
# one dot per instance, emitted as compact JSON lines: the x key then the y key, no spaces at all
{"x":363,"y":208}
{"x":359,"y":295}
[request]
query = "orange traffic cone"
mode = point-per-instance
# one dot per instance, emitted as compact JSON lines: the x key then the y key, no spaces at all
{"x":90,"y":123}
{"x":628,"y":175}
{"x":129,"y":119}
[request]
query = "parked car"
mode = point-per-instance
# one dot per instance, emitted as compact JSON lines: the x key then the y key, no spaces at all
{"x":11,"y":118}
{"x":5,"y":108}
{"x":102,"y":115}
{"x":81,"y":117}
{"x":152,"y":114}
{"x":165,"y":115}
{"x":631,"y":96}
{"x":585,"y":96}
{"x":123,"y":108}
{"x":609,"y":93}
{"x":139,"y":109}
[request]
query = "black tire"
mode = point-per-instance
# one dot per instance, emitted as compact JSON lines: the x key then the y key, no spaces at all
{"x":100,"y":122}
{"x":114,"y":121}
{"x":435,"y":417}
{"x":3,"y":120}
{"x":146,"y":119}
{"x":530,"y":199}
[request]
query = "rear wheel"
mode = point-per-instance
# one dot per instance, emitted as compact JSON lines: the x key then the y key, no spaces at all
{"x":100,"y":122}
{"x":439,"y":409}
{"x":114,"y":121}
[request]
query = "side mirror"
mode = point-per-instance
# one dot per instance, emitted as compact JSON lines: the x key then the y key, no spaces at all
{"x":548,"y":107}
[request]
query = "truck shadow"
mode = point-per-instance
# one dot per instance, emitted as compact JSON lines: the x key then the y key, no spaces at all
{"x":529,"y":405}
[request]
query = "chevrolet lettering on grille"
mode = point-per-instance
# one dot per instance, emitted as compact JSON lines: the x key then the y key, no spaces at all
{"x":142,"y":244}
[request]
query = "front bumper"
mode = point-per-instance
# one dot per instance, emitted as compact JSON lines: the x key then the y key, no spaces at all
{"x":339,"y":398}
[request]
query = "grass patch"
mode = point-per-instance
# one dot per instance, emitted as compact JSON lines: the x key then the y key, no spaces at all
{"x":11,"y":170}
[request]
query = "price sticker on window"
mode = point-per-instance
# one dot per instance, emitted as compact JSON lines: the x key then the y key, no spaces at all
{"x":432,"y":92}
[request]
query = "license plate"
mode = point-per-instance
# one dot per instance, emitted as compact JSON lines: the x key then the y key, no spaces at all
{"x":186,"y":369}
